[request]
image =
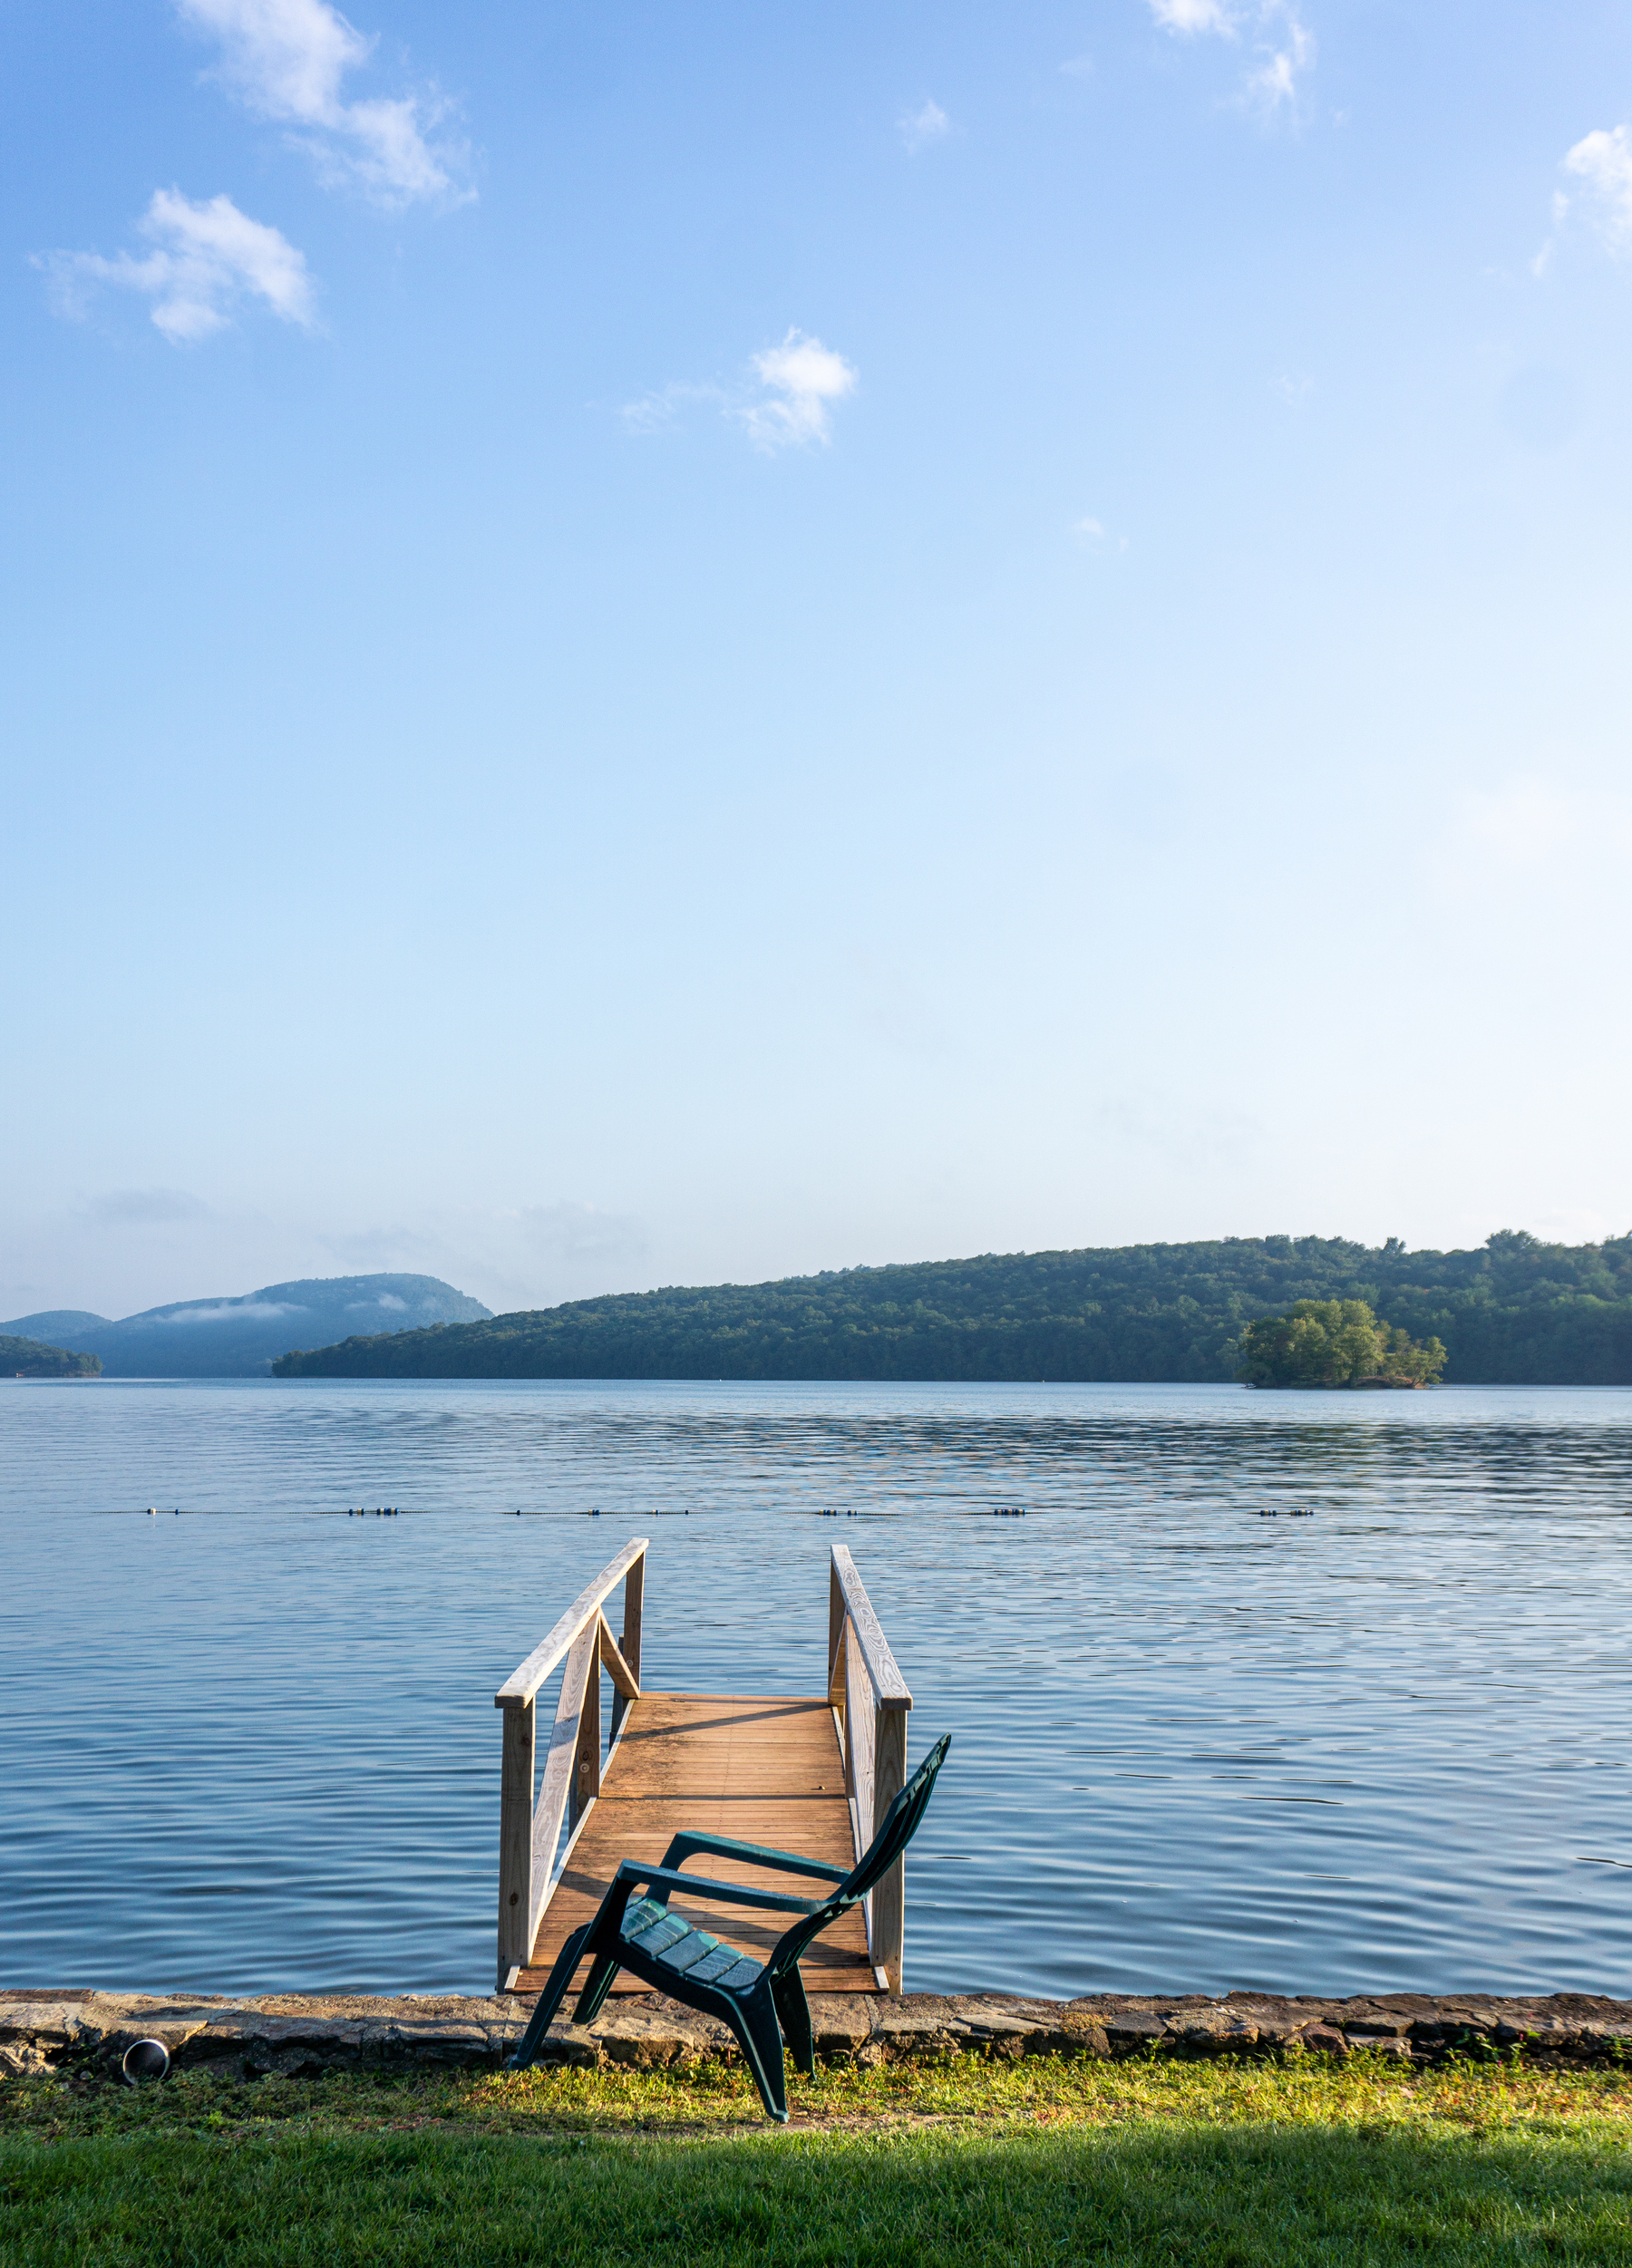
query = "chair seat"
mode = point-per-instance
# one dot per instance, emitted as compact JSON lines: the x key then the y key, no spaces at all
{"x":674,"y":1942}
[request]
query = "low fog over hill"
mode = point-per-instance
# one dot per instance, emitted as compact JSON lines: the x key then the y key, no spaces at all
{"x":241,"y":1337}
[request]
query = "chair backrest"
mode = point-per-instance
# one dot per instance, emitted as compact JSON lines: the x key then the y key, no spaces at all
{"x":900,"y":1826}
{"x":897,"y":1829}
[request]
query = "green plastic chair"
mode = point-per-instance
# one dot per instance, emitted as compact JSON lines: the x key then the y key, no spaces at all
{"x":763,"y":2002}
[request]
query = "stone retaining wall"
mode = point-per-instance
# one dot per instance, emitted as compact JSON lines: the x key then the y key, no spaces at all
{"x":300,"y":2034}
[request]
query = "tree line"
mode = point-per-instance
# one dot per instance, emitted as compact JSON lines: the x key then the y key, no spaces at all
{"x":1513,"y":1311}
{"x":32,"y":1358}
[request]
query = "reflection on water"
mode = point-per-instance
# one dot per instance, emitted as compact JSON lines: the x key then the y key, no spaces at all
{"x":254,"y":1745}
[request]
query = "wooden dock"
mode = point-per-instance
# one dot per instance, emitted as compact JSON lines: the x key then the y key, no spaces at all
{"x":808,"y":1773}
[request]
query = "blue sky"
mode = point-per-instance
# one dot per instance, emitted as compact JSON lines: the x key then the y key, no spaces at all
{"x":649,"y":645}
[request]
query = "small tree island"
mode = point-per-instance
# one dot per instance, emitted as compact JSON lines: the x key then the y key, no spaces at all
{"x":1334,"y":1343}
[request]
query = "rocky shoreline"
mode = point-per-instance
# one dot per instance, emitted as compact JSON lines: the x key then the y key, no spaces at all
{"x":300,"y":2035}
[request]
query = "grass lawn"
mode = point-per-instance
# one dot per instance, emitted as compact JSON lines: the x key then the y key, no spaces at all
{"x":1037,"y":2162}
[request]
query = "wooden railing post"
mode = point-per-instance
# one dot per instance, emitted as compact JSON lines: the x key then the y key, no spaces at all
{"x":516,"y":1840}
{"x":628,"y":1640}
{"x":889,"y":1893}
{"x":587,"y":1764}
{"x":634,"y":1602}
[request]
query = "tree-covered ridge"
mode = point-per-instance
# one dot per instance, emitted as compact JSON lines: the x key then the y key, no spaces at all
{"x":32,"y":1358}
{"x":1513,"y":1311}
{"x":1334,"y":1343}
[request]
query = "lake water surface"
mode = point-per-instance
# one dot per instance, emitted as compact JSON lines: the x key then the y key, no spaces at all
{"x":254,"y":1747}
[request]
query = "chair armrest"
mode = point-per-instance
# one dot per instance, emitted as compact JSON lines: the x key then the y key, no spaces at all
{"x":699,"y":1886}
{"x":684,"y":1846}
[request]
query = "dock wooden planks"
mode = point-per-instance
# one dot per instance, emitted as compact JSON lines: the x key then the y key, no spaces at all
{"x":765,"y":1768}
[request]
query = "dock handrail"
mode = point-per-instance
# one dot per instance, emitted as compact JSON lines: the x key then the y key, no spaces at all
{"x":870,"y":1701}
{"x":529,"y":1831}
{"x":526,"y":1678}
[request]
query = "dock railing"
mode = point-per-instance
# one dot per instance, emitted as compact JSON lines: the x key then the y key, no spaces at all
{"x":530,"y":1830}
{"x":870,"y":1701}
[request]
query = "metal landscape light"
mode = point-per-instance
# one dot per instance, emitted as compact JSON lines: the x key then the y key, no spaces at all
{"x":144,"y":2060}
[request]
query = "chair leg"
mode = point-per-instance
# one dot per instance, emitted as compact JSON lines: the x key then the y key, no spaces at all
{"x":596,"y":1986}
{"x":794,"y":2011}
{"x":550,"y":1999}
{"x":754,"y":2020}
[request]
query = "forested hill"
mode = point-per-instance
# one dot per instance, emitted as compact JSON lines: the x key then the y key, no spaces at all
{"x":31,"y":1358}
{"x":1515,"y":1311}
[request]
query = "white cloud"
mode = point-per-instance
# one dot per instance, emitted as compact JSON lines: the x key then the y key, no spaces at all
{"x":802,"y":379}
{"x":1282,"y":39}
{"x":790,"y":404}
{"x":288,"y":59}
{"x":927,"y":124}
{"x":206,"y":258}
{"x":1604,"y":161}
{"x":1192,"y":15}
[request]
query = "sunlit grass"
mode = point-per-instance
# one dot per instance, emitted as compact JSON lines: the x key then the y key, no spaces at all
{"x":1162,"y":2161}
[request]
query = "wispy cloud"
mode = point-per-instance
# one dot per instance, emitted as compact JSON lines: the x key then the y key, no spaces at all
{"x":524,"y":1256}
{"x":1538,"y":822}
{"x":287,"y":60}
{"x":233,"y":1310}
{"x":653,"y":412}
{"x":145,"y":1208}
{"x":1092,"y":534}
{"x":1290,"y":47}
{"x":787,"y":403}
{"x":206,"y":258}
{"x":1282,"y":41}
{"x":928,"y":123}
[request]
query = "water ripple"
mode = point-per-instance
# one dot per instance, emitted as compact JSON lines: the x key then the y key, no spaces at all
{"x":252,"y":1745}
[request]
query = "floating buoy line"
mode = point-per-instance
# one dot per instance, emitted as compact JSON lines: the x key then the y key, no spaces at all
{"x":594,"y":1512}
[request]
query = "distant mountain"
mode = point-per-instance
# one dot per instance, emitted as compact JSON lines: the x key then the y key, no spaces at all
{"x":1515,"y":1311}
{"x":59,"y":1324}
{"x":241,"y":1337}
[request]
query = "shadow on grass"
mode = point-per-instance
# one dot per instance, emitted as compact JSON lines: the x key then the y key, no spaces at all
{"x":1149,"y":2194}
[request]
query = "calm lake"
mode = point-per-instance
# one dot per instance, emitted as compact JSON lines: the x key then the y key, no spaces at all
{"x":254,"y":1747}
